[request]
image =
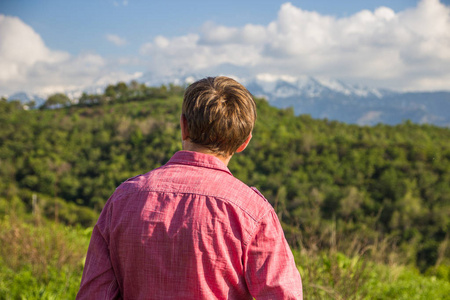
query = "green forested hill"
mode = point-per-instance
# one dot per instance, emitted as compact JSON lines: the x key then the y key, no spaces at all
{"x":382,"y":190}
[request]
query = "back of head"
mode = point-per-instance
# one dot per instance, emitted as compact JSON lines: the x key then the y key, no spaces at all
{"x":220,"y":113}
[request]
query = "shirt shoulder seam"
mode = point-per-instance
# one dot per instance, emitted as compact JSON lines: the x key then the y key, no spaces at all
{"x":252,"y":216}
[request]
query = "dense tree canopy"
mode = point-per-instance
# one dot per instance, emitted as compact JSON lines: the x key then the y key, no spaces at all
{"x":330,"y":183}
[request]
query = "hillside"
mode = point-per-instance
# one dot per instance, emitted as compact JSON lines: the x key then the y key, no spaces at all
{"x":382,"y":189}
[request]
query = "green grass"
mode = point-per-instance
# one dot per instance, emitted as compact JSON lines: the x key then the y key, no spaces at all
{"x":405,"y":283}
{"x":333,"y":275}
{"x":45,"y":261}
{"x":41,"y":261}
{"x":60,"y":283}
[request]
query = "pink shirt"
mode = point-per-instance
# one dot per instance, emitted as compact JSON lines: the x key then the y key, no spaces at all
{"x":189,"y":230}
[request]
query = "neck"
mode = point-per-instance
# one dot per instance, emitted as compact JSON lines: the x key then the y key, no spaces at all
{"x":189,"y":146}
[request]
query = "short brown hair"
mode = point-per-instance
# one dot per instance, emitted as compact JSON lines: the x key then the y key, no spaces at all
{"x":220,"y":114}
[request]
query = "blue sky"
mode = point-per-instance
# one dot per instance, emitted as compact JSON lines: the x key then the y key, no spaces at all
{"x":76,"y":26}
{"x":70,"y":45}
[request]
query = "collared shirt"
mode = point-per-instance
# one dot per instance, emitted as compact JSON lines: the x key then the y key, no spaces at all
{"x":189,"y":230}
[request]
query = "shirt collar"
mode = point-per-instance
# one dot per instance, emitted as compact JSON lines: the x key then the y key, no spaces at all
{"x":198,"y":159}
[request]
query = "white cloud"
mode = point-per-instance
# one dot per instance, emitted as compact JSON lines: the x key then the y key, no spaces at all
{"x":20,"y":48}
{"x":27,"y":64}
{"x":189,"y":53}
{"x":371,"y":117}
{"x":124,"y":3}
{"x":116,"y":40}
{"x":408,"y":50}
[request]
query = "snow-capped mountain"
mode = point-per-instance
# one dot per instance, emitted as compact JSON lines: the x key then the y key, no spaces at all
{"x":285,"y":87}
{"x":335,"y":100}
{"x":319,"y":97}
{"x":28,"y":99}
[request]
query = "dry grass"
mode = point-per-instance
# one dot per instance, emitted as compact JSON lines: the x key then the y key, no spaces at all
{"x":336,"y":266}
{"x":41,"y":247}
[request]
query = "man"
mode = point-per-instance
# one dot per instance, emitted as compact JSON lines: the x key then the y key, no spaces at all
{"x":189,"y":229}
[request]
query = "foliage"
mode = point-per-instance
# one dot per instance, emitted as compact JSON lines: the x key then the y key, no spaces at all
{"x":45,"y":261}
{"x":382,"y":189}
{"x":56,"y":100}
{"x":41,"y":260}
{"x":334,"y":275}
{"x":404,"y":283}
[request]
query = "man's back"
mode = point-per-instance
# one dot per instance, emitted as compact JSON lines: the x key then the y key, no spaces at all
{"x":190,"y":230}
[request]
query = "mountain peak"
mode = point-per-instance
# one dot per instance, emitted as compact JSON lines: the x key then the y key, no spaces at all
{"x":317,"y":96}
{"x":274,"y":87}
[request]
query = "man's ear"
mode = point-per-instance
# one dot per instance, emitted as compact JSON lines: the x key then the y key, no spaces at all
{"x":184,"y":127}
{"x":244,"y":144}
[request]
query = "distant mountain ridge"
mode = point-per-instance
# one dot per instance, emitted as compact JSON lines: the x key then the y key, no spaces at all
{"x":335,"y":100}
{"x":27,"y":98}
{"x":321,"y":98}
{"x":308,"y":87}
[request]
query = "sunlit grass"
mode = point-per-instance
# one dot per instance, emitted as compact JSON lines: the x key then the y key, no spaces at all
{"x":45,"y":261}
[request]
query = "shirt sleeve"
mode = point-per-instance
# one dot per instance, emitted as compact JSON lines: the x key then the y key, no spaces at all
{"x":98,"y":280}
{"x":270,"y":269}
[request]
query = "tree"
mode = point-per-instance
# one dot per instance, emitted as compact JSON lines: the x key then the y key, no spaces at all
{"x":57,"y":100}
